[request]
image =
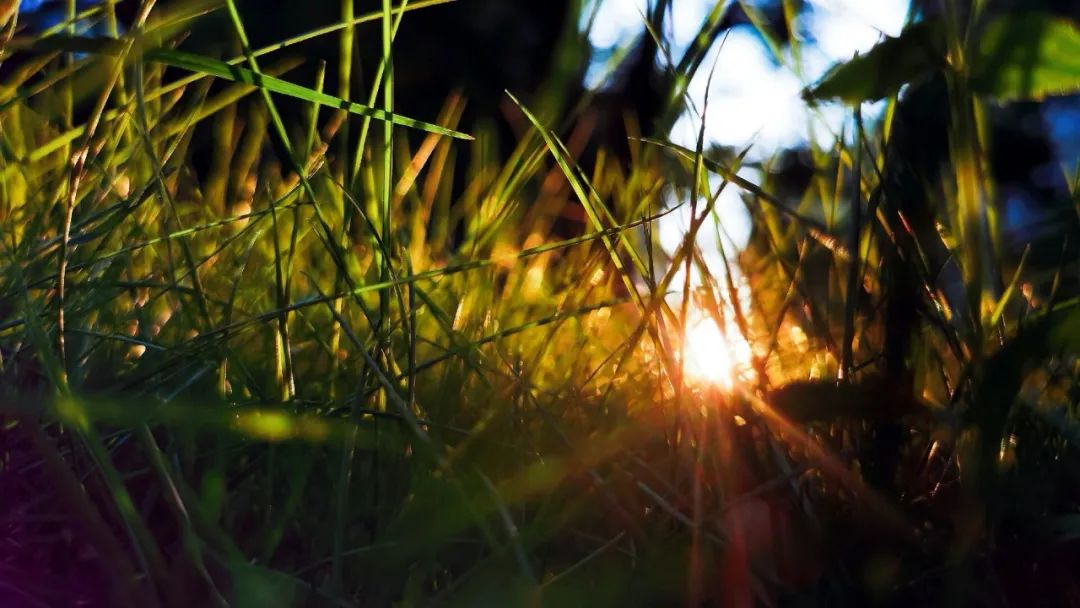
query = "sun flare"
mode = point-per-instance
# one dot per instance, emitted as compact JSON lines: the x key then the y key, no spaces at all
{"x":714,"y":355}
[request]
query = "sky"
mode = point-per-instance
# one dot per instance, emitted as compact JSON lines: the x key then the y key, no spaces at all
{"x":754,"y":99}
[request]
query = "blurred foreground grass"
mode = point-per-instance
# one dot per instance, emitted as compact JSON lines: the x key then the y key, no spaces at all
{"x":319,"y":372}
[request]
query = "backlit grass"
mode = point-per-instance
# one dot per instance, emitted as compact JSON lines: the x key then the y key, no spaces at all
{"x":319,"y":371}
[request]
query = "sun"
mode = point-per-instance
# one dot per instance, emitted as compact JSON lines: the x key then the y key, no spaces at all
{"x":714,"y":355}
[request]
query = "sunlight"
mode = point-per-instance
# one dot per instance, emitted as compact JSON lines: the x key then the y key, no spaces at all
{"x":715,"y":356}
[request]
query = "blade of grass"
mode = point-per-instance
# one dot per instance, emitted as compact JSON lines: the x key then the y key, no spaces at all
{"x":220,"y":69}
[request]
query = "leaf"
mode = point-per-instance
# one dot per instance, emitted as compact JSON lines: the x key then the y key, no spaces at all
{"x":999,"y":309}
{"x":220,"y":69}
{"x":1003,"y":375}
{"x":877,"y":399}
{"x":254,"y":585}
{"x":1027,"y":56}
{"x":1004,"y":371}
{"x":919,"y":50}
{"x":68,"y":44}
{"x":1066,"y":528}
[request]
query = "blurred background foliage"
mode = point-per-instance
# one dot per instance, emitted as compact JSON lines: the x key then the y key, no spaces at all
{"x":613,"y":302}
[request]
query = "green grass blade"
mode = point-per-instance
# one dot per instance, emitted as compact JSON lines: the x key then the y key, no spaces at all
{"x":220,"y":69}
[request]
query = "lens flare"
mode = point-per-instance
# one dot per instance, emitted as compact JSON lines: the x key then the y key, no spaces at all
{"x":715,"y":355}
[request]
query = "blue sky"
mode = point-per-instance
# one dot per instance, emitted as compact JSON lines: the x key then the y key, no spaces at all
{"x":755,"y":99}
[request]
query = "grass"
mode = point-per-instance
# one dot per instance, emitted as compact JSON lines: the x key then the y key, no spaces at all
{"x":339,"y":378}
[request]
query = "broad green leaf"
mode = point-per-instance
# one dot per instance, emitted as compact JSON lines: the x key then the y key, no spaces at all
{"x":1002,"y":376}
{"x":255,"y":585}
{"x":811,"y":401}
{"x":1066,"y":528}
{"x":1027,"y":56}
{"x":1057,"y":331}
{"x":919,"y":50}
{"x":220,"y":69}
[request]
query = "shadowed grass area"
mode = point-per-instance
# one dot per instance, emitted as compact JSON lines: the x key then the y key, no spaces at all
{"x":249,"y":357}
